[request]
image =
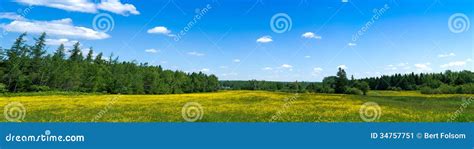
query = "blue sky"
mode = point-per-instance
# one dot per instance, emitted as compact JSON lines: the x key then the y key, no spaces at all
{"x":235,"y":40}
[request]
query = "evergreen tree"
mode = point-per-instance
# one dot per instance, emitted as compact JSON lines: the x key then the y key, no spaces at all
{"x":341,"y":82}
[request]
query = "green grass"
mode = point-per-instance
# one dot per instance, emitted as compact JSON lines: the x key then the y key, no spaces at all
{"x":242,"y":106}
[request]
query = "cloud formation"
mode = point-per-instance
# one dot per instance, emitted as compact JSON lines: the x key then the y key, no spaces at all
{"x":57,"y":42}
{"x":194,"y":53}
{"x":160,"y":30}
{"x":446,"y":55}
{"x":423,"y":67}
{"x":10,"y":16}
{"x":310,"y":35}
{"x":116,"y":7}
{"x":61,"y":28}
{"x":85,"y":6}
{"x":264,"y":39}
{"x":455,"y":64}
{"x":151,"y":50}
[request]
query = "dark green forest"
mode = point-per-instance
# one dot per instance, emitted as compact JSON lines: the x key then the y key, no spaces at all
{"x":28,"y":68}
{"x":428,"y":83}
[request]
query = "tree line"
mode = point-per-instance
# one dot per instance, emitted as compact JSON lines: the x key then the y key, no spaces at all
{"x":449,"y":82}
{"x":430,"y":83}
{"x":28,"y":68}
{"x":332,"y":84}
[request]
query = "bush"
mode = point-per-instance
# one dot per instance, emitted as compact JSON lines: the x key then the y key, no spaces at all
{"x":395,"y":88}
{"x":39,"y":88}
{"x":427,"y":90}
{"x":353,"y":90}
{"x":447,"y":89}
{"x":3,"y":88}
{"x":466,"y":89}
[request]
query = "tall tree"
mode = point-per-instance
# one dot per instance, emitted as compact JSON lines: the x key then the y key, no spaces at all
{"x":341,"y":82}
{"x":37,"y":52}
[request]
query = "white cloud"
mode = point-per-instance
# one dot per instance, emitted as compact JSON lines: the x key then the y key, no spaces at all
{"x":229,"y":74}
{"x":236,"y":60}
{"x":423,"y":67}
{"x":391,"y":67}
{"x":264,"y":39}
{"x":86,"y":6}
{"x":455,"y":64}
{"x":310,"y":35}
{"x":316,"y":71}
{"x":342,"y":66}
{"x":402,"y":64}
{"x":116,"y":7}
{"x":267,"y":68}
{"x":194,"y":53}
{"x":205,"y":70}
{"x":11,"y":16}
{"x":397,"y":66}
{"x":62,"y":28}
{"x":152,"y":50}
{"x":350,"y":44}
{"x":446,"y":55}
{"x":69,"y":5}
{"x":307,"y":56}
{"x":64,"y":41}
{"x":161,"y":30}
{"x":286,"y":66}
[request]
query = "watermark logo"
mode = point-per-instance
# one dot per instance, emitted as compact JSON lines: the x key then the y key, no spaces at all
{"x":465,"y":103}
{"x":289,"y":101}
{"x":370,"y":111}
{"x":281,"y":23}
{"x":14,"y":112}
{"x":192,"y":111}
{"x":105,"y":110}
{"x":103,"y":22}
{"x":377,"y":15}
{"x":200,"y":13}
{"x":458,"y":23}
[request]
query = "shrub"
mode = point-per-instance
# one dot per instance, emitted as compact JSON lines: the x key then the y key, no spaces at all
{"x":466,"y":89}
{"x":447,"y":89}
{"x":395,"y":88}
{"x":39,"y":88}
{"x":353,"y":90}
{"x":426,"y":90}
{"x":3,"y":88}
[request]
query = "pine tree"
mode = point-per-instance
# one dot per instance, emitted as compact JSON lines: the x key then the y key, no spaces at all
{"x":341,"y":82}
{"x":37,"y":52}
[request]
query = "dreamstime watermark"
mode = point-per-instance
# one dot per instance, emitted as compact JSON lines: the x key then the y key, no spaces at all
{"x":102,"y":112}
{"x":200,"y":13}
{"x":23,"y":13}
{"x":370,"y":111}
{"x":103,"y":22}
{"x":378,"y":13}
{"x":289,"y":101}
{"x":46,"y":137}
{"x":14,"y":112}
{"x":280,"y":23}
{"x":464,"y":105}
{"x":458,"y":23}
{"x":192,"y":111}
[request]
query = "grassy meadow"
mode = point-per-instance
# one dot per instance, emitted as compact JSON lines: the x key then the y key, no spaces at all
{"x":242,"y":106}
